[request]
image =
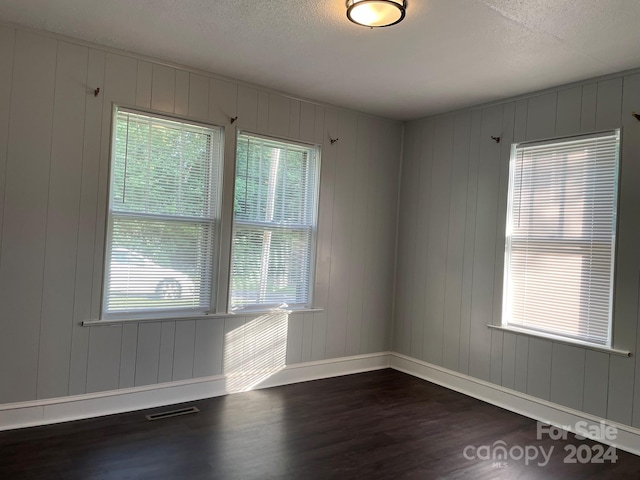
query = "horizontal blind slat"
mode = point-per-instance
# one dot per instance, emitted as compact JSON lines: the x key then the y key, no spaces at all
{"x":165,"y":181}
{"x":560,"y":236}
{"x":274,"y":219}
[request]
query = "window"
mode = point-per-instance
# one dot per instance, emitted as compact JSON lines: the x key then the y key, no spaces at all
{"x":163,"y":216}
{"x":560,"y":238}
{"x":274,"y":223}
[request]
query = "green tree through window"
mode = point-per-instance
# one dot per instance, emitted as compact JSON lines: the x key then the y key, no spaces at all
{"x":163,"y":214}
{"x":274,"y":223}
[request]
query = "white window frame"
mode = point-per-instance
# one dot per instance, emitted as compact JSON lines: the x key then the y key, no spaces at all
{"x":556,"y":335}
{"x":262,"y":307}
{"x":161,"y":313}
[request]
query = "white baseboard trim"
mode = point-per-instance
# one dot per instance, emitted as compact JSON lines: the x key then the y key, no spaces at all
{"x":64,"y":409}
{"x":627,"y":439}
{"x":57,"y":410}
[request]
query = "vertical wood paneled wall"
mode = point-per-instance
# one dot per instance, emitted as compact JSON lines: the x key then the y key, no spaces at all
{"x":54,"y":159}
{"x":451,"y":248}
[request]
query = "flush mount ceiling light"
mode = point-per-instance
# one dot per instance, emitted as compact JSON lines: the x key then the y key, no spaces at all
{"x":376,"y":13}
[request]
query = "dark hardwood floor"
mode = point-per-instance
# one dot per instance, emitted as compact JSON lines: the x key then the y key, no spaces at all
{"x":377,"y":425}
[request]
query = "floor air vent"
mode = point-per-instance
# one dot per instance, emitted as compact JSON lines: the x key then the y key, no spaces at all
{"x":172,"y":413}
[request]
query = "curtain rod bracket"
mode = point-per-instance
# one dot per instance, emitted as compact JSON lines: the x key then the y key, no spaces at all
{"x":96,"y":92}
{"x":233,"y":119}
{"x":495,"y":139}
{"x":333,"y":140}
{"x":636,"y":115}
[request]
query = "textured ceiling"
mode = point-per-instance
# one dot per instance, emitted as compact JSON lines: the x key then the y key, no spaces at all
{"x":447,"y":54}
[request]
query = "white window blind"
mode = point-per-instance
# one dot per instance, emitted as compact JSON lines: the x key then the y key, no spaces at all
{"x":163,"y":216}
{"x":560,"y":238}
{"x":275,"y":210}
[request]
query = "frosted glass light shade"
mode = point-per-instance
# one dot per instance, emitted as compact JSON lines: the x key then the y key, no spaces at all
{"x":376,"y":13}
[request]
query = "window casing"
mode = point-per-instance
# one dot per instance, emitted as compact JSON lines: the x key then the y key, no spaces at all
{"x":275,"y":210}
{"x":163,"y":217}
{"x":560,"y":237}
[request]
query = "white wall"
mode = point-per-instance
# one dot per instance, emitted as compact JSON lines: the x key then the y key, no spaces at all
{"x":54,"y":142}
{"x":54,"y":158}
{"x":451,"y":248}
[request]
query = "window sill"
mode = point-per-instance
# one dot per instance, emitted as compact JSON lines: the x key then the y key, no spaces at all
{"x":558,"y":339}
{"x":207,"y":316}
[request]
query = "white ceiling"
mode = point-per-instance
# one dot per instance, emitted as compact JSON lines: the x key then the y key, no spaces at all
{"x":447,"y":54}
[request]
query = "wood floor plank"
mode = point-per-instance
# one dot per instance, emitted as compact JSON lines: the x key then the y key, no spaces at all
{"x":376,"y":425}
